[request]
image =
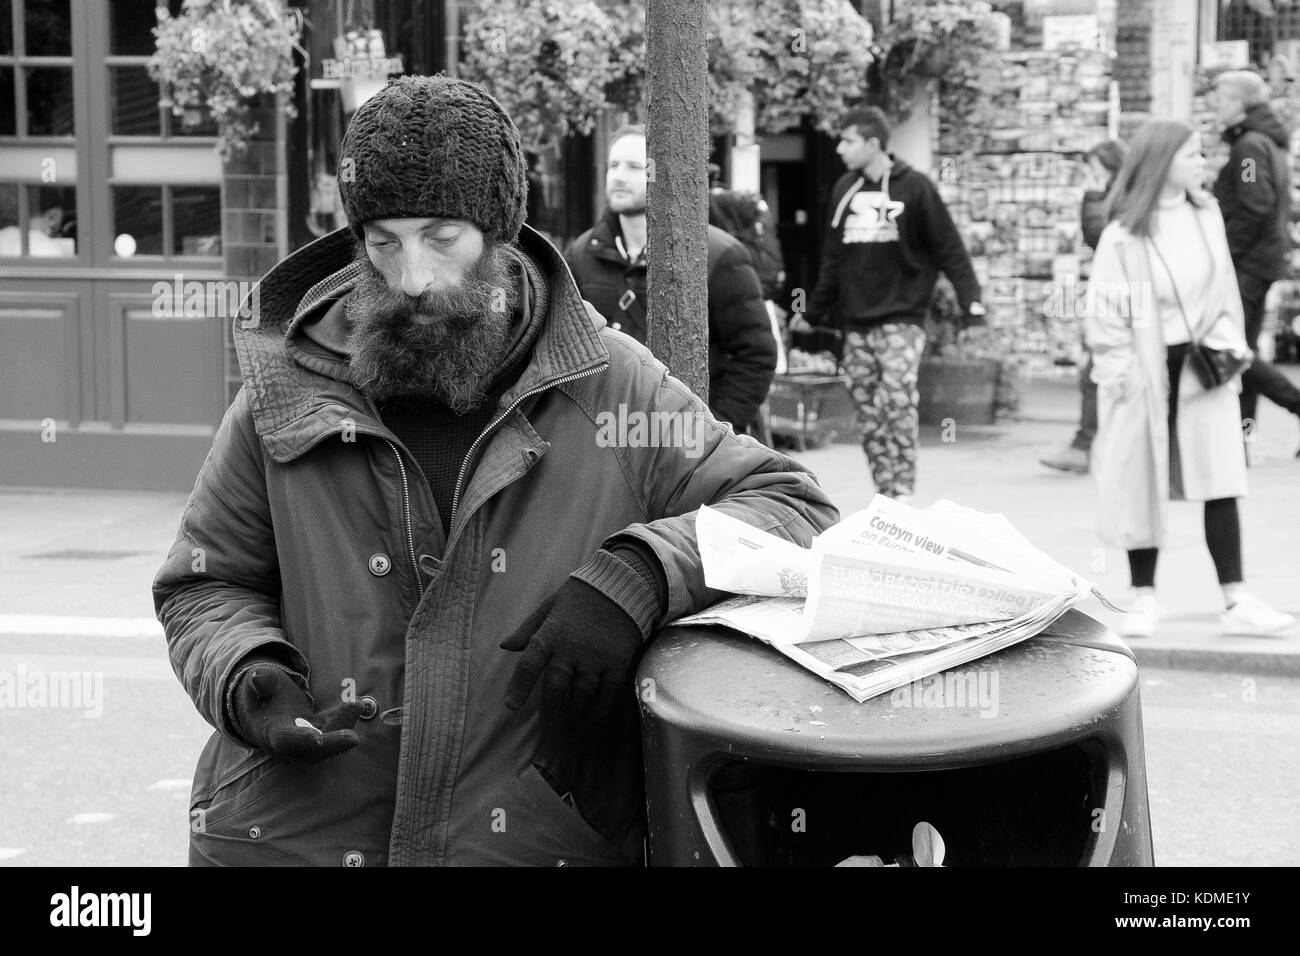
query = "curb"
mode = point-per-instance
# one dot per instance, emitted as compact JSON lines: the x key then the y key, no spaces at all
{"x":1199,"y":659}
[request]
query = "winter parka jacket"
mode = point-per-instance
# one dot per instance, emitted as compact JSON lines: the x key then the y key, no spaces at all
{"x":1254,"y":192}
{"x":311,"y":535}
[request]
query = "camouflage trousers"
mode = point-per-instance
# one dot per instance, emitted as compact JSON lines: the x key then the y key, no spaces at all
{"x":883,"y":364}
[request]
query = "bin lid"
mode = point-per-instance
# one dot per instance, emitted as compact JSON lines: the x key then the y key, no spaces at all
{"x":1057,"y":687}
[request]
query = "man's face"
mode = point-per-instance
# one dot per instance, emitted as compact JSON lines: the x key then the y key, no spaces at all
{"x":430,"y":316}
{"x":856,"y":152}
{"x":422,"y":255}
{"x":625,"y":176}
{"x":1228,"y":106}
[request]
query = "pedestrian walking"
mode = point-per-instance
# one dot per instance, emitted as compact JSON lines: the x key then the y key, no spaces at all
{"x":609,"y":264}
{"x":1163,"y":290}
{"x":1102,"y":163}
{"x":438,"y":522}
{"x":1254,"y":192}
{"x":889,"y":237}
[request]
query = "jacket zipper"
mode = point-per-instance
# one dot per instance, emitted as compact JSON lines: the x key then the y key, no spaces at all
{"x":469,"y":456}
{"x":406,"y":500}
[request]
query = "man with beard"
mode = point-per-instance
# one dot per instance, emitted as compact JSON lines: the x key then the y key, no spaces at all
{"x":609,"y":264}
{"x":416,"y":571}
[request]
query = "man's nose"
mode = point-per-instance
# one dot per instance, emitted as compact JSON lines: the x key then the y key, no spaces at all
{"x":417,"y":272}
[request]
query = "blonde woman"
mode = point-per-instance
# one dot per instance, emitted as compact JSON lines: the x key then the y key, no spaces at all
{"x":1162,"y":279}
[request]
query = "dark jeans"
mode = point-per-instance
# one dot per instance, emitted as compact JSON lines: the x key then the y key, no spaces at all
{"x":1261,"y":378}
{"x":1088,"y":417}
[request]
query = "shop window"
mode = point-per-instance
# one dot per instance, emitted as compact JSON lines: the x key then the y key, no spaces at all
{"x":171,"y":221}
{"x":137,"y":221}
{"x":8,"y":116}
{"x":131,"y":24}
{"x":49,"y":101}
{"x":196,"y":220}
{"x":38,"y":221}
{"x":47,"y":27}
{"x":135,"y":102}
{"x":6,"y":28}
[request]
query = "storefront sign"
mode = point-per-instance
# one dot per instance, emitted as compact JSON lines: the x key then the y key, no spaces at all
{"x":1226,"y":55}
{"x":1173,"y":57}
{"x":360,"y":66}
{"x":1082,"y":31}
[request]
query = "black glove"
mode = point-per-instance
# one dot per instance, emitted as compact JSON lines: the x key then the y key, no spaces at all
{"x":265,"y":704}
{"x":585,"y":644}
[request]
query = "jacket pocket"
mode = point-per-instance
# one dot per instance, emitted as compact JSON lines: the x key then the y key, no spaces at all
{"x":523,"y":822}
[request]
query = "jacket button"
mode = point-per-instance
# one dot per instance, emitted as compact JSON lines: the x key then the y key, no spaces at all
{"x":354,"y":858}
{"x":618,"y":326}
{"x":380,"y":564}
{"x":254,"y":832}
{"x":369,"y":707}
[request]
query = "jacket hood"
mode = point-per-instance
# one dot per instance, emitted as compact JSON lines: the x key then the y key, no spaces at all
{"x":296,"y":398}
{"x":1260,"y":118}
{"x":895,"y":171}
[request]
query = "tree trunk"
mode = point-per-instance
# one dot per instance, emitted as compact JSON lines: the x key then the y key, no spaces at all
{"x":677,"y":215}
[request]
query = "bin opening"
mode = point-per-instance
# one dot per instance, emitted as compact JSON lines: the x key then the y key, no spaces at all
{"x":1038,"y":810}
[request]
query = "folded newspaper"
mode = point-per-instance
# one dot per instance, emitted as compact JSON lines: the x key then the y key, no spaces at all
{"x":889,"y":595}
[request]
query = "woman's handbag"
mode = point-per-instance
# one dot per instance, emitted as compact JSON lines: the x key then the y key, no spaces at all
{"x":1212,"y":367}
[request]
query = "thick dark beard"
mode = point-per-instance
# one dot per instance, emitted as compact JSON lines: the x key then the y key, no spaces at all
{"x":446,"y":344}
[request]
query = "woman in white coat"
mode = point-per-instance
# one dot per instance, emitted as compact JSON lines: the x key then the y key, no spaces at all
{"x":1162,"y":278}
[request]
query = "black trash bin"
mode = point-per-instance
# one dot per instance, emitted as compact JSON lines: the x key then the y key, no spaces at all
{"x":753,"y":761}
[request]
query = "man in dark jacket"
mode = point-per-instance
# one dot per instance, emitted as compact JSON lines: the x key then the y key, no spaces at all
{"x":609,"y":264}
{"x":1254,"y":193}
{"x":416,"y":570}
{"x":889,"y":237}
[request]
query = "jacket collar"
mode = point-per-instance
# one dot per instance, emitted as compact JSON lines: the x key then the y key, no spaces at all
{"x":297,"y":399}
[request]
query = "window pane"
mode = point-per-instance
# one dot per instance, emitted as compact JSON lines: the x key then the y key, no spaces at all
{"x":205,"y":128}
{"x":52,"y":220}
{"x":10,"y":235}
{"x":6,"y":28}
{"x":8,"y":106}
{"x":48,"y":28}
{"x":137,"y":220}
{"x":130,"y":23}
{"x":49,"y":101}
{"x":135,"y":101}
{"x":196,"y":220}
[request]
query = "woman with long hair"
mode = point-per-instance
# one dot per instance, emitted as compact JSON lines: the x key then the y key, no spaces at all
{"x":1162,"y":283}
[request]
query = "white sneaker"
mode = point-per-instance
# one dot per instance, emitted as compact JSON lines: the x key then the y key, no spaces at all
{"x":1142,"y":617}
{"x":1250,"y":615}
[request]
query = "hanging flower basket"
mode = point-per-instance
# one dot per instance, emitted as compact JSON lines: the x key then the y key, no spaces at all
{"x":217,"y":56}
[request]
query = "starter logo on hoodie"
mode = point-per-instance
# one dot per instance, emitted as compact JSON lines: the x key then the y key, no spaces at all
{"x":873,"y":217}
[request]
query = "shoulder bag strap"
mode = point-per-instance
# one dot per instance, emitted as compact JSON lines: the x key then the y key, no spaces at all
{"x":1177,"y":298}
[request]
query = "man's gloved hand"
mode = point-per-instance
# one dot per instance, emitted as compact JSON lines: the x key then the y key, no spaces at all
{"x":584,"y":644}
{"x":270,"y":710}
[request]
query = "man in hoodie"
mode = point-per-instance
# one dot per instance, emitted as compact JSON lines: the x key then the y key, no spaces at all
{"x":889,"y":237}
{"x":1254,"y":193}
{"x":609,"y":265}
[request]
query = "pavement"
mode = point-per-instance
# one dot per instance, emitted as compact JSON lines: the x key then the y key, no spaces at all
{"x":79,"y":563}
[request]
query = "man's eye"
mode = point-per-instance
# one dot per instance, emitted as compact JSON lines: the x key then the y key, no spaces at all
{"x":445,"y":239}
{"x":379,"y":243}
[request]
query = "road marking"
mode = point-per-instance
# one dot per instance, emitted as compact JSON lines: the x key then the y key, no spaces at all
{"x":9,"y":852}
{"x":91,"y":818}
{"x":175,"y":783}
{"x":80,"y":626}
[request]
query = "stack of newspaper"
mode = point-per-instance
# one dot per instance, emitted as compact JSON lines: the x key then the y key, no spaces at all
{"x":889,"y":595}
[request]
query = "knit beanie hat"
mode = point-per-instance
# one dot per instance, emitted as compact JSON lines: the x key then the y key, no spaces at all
{"x":432,"y":146}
